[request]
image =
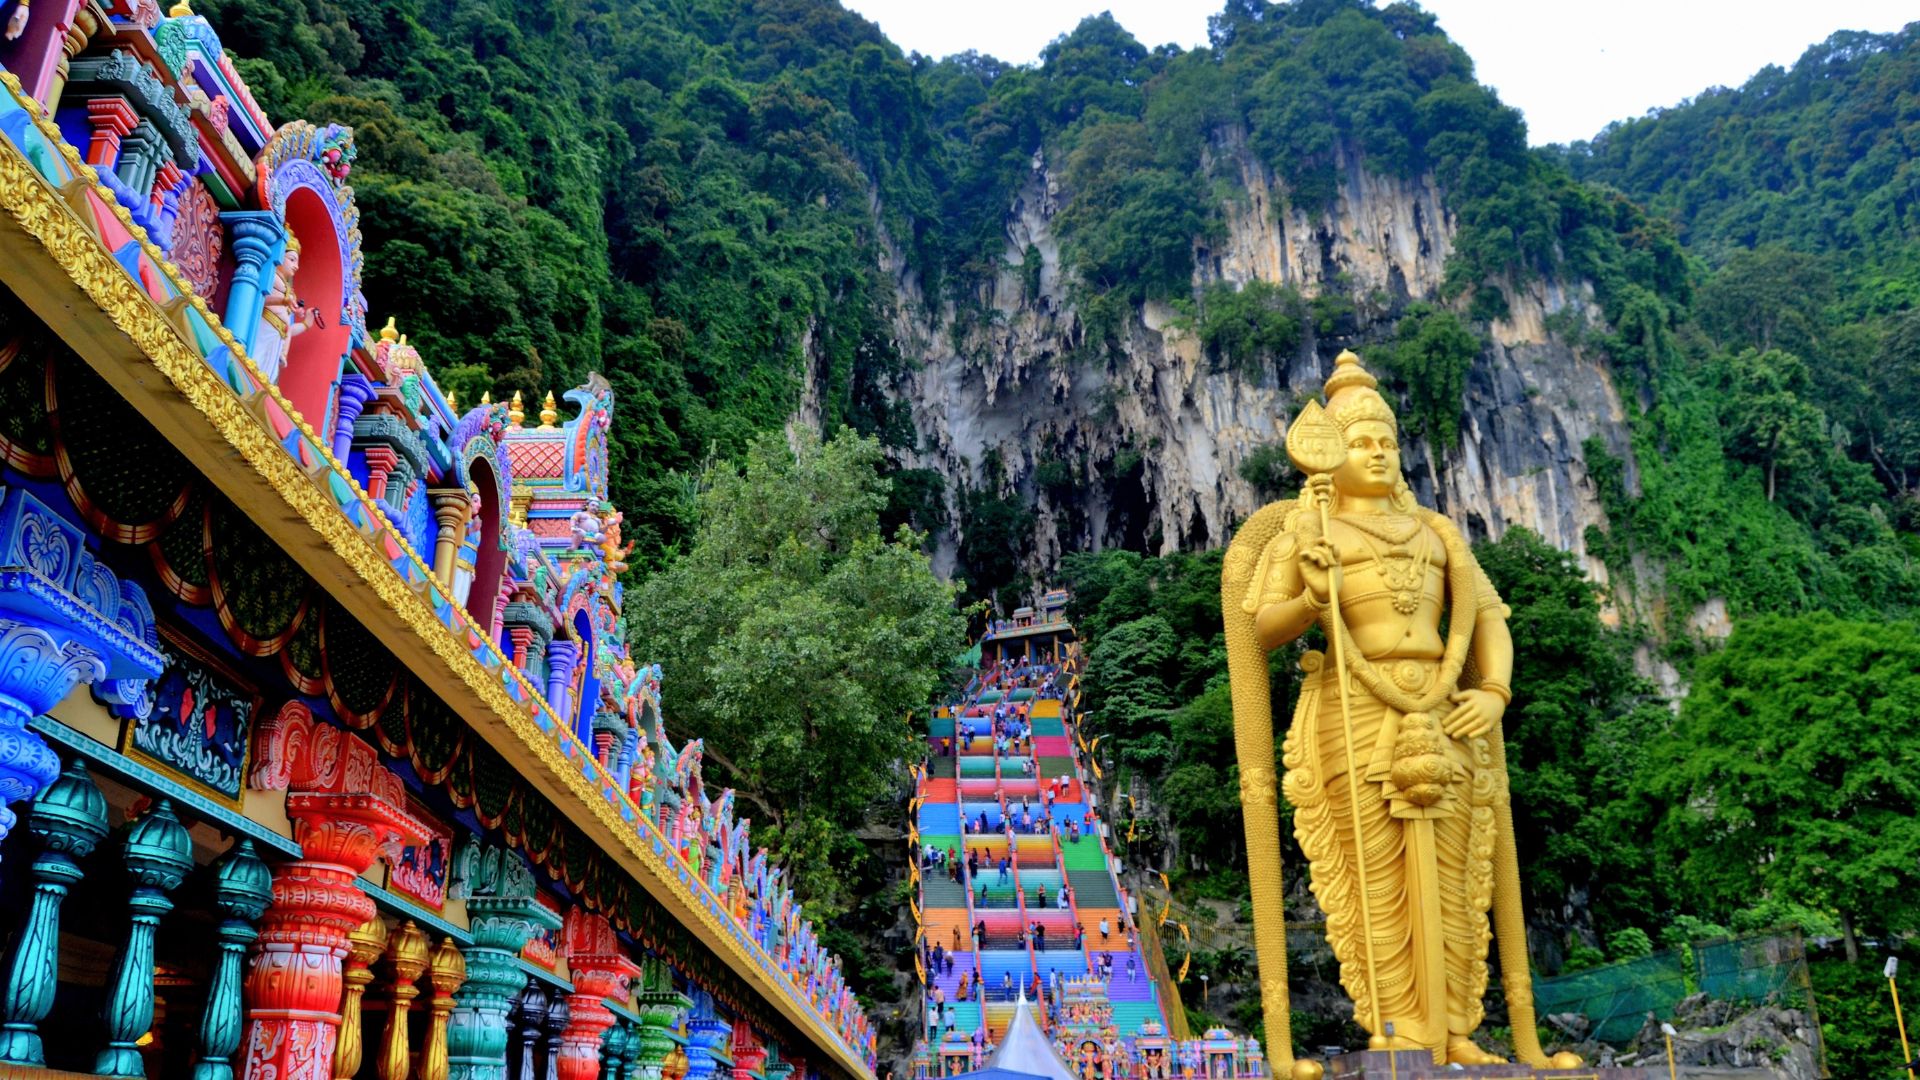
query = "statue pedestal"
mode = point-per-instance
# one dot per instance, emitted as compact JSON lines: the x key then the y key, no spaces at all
{"x":1418,"y":1065}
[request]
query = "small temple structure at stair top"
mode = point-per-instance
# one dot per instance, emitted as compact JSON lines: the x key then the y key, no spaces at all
{"x":1027,"y":938}
{"x":322,"y":753}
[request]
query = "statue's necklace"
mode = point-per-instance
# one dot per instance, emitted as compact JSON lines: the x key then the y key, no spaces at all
{"x":1402,"y":570}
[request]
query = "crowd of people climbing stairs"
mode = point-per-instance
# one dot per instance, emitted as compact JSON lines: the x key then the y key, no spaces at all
{"x":1017,"y":889}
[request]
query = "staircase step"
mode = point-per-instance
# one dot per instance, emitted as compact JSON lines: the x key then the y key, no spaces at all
{"x":1092,"y":888}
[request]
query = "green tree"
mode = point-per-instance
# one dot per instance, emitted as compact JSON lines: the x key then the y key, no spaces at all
{"x":795,"y":637}
{"x":1792,"y":772}
{"x":1576,"y":735}
{"x":1430,"y":355}
{"x":1769,"y":420}
{"x":1252,"y":326}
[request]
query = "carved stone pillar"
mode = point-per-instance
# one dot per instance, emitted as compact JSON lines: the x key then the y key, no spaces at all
{"x":562,"y":658}
{"x":630,"y":1057}
{"x":111,"y":120}
{"x":613,"y":1050}
{"x":451,"y":507}
{"x":527,"y":1019}
{"x":706,"y":1034}
{"x":559,"y":1012}
{"x":446,"y":970}
{"x":406,"y":959}
{"x":502,"y":915}
{"x":346,"y":808}
{"x":600,"y":970}
{"x":748,"y":1054}
{"x":660,"y":1007}
{"x":256,"y":238}
{"x":364,"y":946}
{"x":354,"y":393}
{"x":53,"y":638}
{"x":380,"y":463}
{"x":242,"y":889}
{"x":78,"y":32}
{"x":158,"y":853}
{"x":68,"y":820}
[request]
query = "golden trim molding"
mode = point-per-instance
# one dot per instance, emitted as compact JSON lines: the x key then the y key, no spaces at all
{"x":68,"y":278}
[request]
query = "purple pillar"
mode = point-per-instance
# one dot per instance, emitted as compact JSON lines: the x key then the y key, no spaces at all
{"x":562,"y":656}
{"x":355,"y":391}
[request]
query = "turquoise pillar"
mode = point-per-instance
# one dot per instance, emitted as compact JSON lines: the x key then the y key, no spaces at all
{"x":257,"y":240}
{"x":158,"y":854}
{"x":613,"y":1051}
{"x":68,"y":821}
{"x":477,"y":1033}
{"x":630,"y":1055}
{"x":243,"y":887}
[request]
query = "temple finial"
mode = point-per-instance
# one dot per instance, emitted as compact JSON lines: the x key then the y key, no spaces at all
{"x":516,"y":412}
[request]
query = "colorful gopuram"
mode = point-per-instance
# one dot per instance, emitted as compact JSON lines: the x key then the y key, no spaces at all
{"x":322,"y":754}
{"x":1017,"y":890}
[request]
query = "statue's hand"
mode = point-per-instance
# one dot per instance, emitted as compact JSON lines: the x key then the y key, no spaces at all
{"x":1320,"y":570}
{"x":17,"y":22}
{"x":1474,"y":713}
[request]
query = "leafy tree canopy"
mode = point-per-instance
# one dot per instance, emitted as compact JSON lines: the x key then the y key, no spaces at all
{"x":795,"y":638}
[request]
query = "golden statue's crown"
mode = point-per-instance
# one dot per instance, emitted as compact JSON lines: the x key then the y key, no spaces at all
{"x":1352,"y":395}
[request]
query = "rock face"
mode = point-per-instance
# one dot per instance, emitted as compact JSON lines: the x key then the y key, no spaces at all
{"x":1720,"y":1039}
{"x":1152,"y":434}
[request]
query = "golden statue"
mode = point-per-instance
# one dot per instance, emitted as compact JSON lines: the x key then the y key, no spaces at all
{"x":1396,"y":770}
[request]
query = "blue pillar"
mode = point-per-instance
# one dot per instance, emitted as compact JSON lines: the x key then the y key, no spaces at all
{"x":258,"y":239}
{"x":64,"y":621}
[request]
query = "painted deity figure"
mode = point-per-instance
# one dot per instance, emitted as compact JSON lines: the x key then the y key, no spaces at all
{"x":284,"y":317}
{"x":1394,"y":767}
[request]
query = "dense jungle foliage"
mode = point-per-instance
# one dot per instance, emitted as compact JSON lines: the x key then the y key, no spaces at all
{"x":693,"y":196}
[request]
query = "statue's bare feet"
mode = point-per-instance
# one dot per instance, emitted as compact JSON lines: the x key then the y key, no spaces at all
{"x":1462,"y":1051}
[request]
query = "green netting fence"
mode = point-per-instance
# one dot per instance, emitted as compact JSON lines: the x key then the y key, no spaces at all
{"x":1617,"y":998}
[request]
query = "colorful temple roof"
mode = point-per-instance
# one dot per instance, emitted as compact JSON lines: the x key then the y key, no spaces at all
{"x":304,"y":568}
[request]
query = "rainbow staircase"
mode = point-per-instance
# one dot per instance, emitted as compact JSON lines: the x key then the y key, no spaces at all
{"x":971,"y":799}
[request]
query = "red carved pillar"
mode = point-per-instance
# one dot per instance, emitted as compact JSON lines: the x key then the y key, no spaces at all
{"x":380,"y":463}
{"x":600,"y":970}
{"x":111,"y":118}
{"x":748,"y":1054}
{"x":522,"y":638}
{"x":346,"y":808}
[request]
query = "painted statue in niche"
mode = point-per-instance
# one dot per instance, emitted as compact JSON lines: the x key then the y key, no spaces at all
{"x":284,"y":317}
{"x":193,"y":722}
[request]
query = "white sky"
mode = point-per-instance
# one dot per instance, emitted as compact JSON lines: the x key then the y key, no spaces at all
{"x":1572,"y":66}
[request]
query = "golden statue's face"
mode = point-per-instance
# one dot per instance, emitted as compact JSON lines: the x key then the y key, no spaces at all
{"x":1373,"y":460}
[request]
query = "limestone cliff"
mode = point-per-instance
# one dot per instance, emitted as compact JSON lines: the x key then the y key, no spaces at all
{"x":1153,"y":434}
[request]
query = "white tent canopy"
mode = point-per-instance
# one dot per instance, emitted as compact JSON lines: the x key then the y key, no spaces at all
{"x":1027,"y":1049}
